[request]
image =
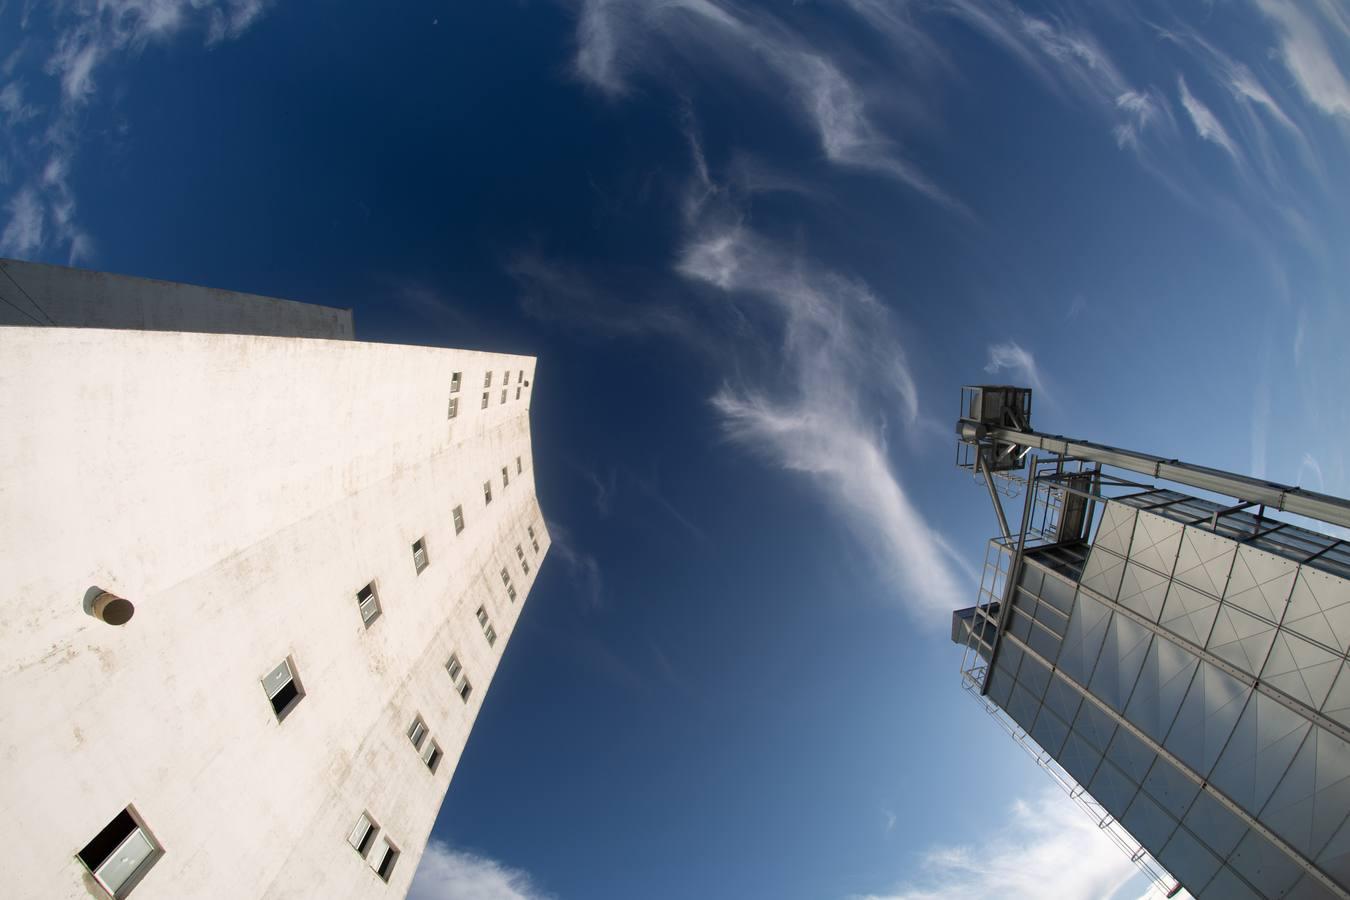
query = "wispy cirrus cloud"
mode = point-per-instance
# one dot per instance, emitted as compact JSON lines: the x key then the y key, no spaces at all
{"x":582,"y":568}
{"x":446,"y":873}
{"x":1206,"y":124}
{"x":1010,"y":357}
{"x":1043,"y":836}
{"x":45,"y":140}
{"x":823,"y":414}
{"x":616,"y":38}
{"x":1307,"y":34}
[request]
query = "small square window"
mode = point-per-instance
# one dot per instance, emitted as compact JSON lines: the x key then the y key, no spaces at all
{"x":369,"y":603}
{"x":465,"y":689}
{"x":432,"y":755}
{"x":384,"y":857}
{"x":491,"y":634}
{"x":453,"y":409}
{"x":458,"y":514}
{"x":454,"y":667}
{"x":506,"y":476}
{"x":506,"y":377}
{"x":454,"y":382}
{"x":511,"y":592}
{"x":524,"y":563}
{"x":482,"y":616}
{"x":503,"y":395}
{"x":120,"y":854}
{"x":485,"y":400}
{"x":283,"y":688}
{"x":417,"y":732}
{"x":363,"y":834}
{"x":419,"y":549}
{"x":521,"y":376}
{"x":519,"y":466}
{"x":487,"y":379}
{"x":487,"y":492}
{"x":517,"y":392}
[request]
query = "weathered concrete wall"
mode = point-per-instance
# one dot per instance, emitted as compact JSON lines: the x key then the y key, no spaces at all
{"x":240,"y":490}
{"x":78,"y":298}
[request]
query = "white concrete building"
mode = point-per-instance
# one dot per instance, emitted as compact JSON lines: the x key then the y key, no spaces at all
{"x":324,"y":546}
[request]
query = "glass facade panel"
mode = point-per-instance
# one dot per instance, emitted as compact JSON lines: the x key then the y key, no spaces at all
{"x":1155,"y":543}
{"x":1337,"y":704}
{"x":1050,"y":732}
{"x":1063,"y":698}
{"x":1261,"y":583}
{"x":1131,"y":755}
{"x":1173,"y":790}
{"x":1188,"y":860}
{"x":1079,"y":758}
{"x":1045,"y":643}
{"x":1188,"y":613}
{"x":1095,"y":725}
{"x":1313,"y":798}
{"x":1034,"y":676}
{"x":1083,"y":640}
{"x":1058,"y":593}
{"x":1122,"y":656}
{"x":1301,"y":669}
{"x":1261,"y":747}
{"x":1116,"y":528}
{"x":1204,"y":561}
{"x":1161,"y":687}
{"x":1213,"y":703}
{"x":1143,"y":591}
{"x":1226,"y":885}
{"x":1214,"y":824}
{"x":1148,"y":823}
{"x":1022,"y":707}
{"x":1319,"y":609}
{"x":1112,"y":789}
{"x":1240,"y":638}
{"x":1266,"y":867}
{"x":1103,"y":572}
{"x":1000,"y":687}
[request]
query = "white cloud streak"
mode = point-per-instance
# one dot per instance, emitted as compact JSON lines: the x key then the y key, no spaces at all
{"x":1012,"y":358}
{"x":615,"y":37}
{"x":1206,"y":124}
{"x":582,"y":568}
{"x":1044,"y":838}
{"x":841,"y":367}
{"x":1305,"y":30}
{"x":449,"y":874}
{"x":90,"y":35}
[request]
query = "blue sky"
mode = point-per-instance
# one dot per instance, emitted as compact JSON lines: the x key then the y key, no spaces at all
{"x":757,"y":248}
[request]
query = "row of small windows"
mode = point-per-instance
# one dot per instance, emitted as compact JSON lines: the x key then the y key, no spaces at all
{"x":452,"y":409}
{"x":428,"y":749}
{"x":124,"y":850}
{"x":366,"y":836}
{"x":506,"y":481}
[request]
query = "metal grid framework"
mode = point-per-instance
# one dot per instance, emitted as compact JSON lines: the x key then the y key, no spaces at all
{"x":1129,"y":582}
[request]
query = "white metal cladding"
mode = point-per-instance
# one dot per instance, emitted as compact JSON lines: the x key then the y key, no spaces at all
{"x":1215,"y":727}
{"x":246,"y":488}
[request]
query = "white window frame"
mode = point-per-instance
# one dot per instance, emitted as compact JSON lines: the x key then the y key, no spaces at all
{"x":453,"y":409}
{"x":506,"y":477}
{"x":432,"y":755}
{"x":138,"y":839}
{"x":367,"y":840}
{"x":384,"y":858}
{"x":454,"y":382}
{"x":417,"y":732}
{"x":485,"y":400}
{"x":369,"y":607}
{"x":293,"y":679}
{"x":487,"y":492}
{"x":458,"y":515}
{"x":419,"y":548}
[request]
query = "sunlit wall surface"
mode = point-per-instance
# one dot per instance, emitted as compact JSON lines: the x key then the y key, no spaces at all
{"x":1193,"y":677}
